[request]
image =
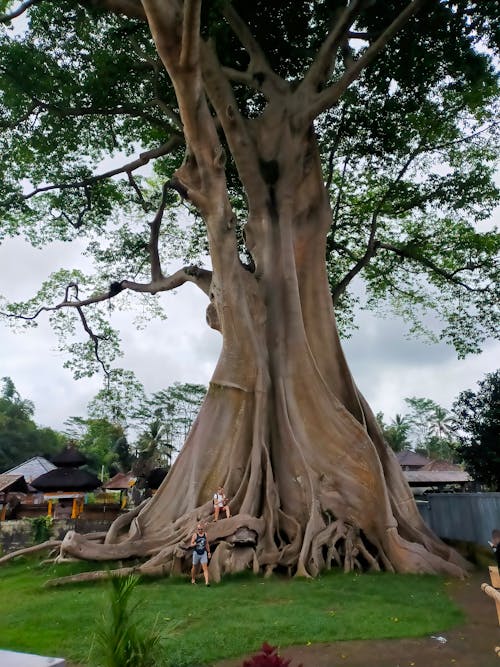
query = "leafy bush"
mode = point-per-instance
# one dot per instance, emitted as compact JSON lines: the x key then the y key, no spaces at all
{"x":268,"y":657}
{"x":42,"y":528}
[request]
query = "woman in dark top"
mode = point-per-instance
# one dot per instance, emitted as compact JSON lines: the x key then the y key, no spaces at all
{"x":201,"y":553}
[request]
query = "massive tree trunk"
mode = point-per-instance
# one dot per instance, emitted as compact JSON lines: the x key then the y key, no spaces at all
{"x":283,"y":427}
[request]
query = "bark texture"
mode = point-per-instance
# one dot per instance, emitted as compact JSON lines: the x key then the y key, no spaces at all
{"x":283,"y":428}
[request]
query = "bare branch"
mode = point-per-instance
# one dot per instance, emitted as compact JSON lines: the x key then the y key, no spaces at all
{"x":156,"y":273}
{"x":402,"y":251}
{"x":143,"y":159}
{"x":328,"y":97}
{"x":94,"y":338}
{"x":371,"y":246}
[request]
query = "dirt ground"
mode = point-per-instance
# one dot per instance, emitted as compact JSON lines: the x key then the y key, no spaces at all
{"x":469,"y":645}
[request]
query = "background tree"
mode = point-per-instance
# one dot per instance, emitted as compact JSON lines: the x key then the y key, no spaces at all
{"x":20,"y":437}
{"x":103,"y":443}
{"x":240,"y":135}
{"x":395,"y":433}
{"x":478,"y":419}
{"x":432,"y":428}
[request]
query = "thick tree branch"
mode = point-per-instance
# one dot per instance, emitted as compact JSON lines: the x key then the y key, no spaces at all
{"x":328,"y":97}
{"x":5,"y":18}
{"x":190,"y":49}
{"x":322,"y":67}
{"x":235,"y":127}
{"x":405,"y":253}
{"x":259,"y":69}
{"x":131,"y":8}
{"x":194,"y":274}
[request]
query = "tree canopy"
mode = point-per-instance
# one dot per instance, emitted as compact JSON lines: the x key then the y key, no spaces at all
{"x":478,"y":418}
{"x":20,"y":437}
{"x":408,"y":157}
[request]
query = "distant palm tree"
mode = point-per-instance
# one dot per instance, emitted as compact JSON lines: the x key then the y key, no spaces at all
{"x":396,"y":433}
{"x":443,"y":423}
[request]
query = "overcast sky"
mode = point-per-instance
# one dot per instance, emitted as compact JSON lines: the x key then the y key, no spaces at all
{"x":386,"y":366}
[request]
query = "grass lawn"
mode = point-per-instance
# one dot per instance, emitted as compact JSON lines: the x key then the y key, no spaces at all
{"x":202,"y":625}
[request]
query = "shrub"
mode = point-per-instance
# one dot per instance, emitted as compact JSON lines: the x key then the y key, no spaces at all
{"x":268,"y":657}
{"x":42,"y":528}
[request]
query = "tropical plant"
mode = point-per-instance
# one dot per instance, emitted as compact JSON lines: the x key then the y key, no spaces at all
{"x":121,"y":639}
{"x":396,"y":433}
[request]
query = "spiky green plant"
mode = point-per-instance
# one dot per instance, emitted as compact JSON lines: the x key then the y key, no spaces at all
{"x":121,"y":639}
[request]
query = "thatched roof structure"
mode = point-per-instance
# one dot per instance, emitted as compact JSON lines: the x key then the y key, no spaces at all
{"x":70,"y":457}
{"x":409,"y":460}
{"x":10,"y":483}
{"x":66,"y":479}
{"x":120,"y":482}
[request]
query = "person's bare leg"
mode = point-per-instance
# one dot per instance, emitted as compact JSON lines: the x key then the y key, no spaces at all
{"x":205,"y":573}
{"x":228,"y":512}
{"x":193,"y":574}
{"x":217,"y":510}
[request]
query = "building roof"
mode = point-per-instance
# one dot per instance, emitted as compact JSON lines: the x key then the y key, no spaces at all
{"x":409,"y":458}
{"x":122,"y":480}
{"x":439,"y":464}
{"x":66,"y":479}
{"x":32,"y":468}
{"x":69,"y":457}
{"x":436,"y":477}
{"x":12,"y":483}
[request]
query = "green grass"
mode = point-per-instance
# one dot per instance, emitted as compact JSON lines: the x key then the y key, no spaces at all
{"x":203,"y":625}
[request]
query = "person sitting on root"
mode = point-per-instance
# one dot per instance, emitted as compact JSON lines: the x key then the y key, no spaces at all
{"x":201,"y":553}
{"x":221,"y":503}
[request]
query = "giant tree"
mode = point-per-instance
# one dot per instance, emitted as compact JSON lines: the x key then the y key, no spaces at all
{"x":295,"y":132}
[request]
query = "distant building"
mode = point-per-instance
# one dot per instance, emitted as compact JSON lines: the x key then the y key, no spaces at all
{"x":425,"y":474}
{"x":32,"y":468}
{"x":409,"y":460}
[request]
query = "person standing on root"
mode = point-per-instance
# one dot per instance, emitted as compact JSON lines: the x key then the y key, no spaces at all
{"x":201,"y":553}
{"x":221,"y":503}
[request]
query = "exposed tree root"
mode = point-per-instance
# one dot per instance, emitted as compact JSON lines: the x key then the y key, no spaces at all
{"x":43,"y":546}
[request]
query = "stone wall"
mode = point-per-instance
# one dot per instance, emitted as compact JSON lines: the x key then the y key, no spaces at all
{"x":19,"y":533}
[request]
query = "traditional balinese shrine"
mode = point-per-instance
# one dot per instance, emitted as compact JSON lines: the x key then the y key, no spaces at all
{"x":65,"y":487}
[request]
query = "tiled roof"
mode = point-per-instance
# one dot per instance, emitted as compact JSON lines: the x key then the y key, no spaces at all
{"x":432,"y":477}
{"x":32,"y":468}
{"x":409,"y":458}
